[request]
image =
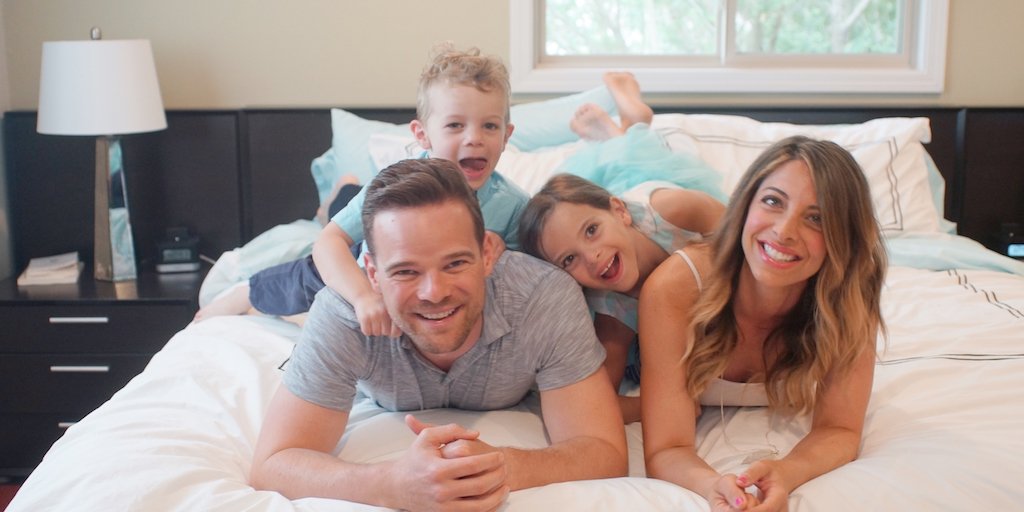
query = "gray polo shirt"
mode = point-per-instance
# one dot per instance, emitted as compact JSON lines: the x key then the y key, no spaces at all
{"x":537,"y":331}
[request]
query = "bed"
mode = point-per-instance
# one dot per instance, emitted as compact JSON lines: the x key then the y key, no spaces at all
{"x":943,"y":424}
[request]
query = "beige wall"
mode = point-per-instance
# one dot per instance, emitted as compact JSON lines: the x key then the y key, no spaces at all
{"x":259,"y":53}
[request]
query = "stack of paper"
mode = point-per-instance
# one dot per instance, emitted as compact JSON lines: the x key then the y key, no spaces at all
{"x":59,"y":269}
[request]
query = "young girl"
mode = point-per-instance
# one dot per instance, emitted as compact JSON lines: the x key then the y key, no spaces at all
{"x":609,"y":245}
{"x":610,"y":237}
{"x":780,"y":308}
{"x":622,"y":205}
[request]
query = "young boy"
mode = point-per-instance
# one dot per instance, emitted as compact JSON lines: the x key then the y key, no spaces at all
{"x":462,"y":115}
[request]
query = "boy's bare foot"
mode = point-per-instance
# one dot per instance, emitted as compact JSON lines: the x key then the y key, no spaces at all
{"x":235,"y":302}
{"x":591,"y":122}
{"x":322,"y":214}
{"x":626,"y":92}
{"x":297,"y":319}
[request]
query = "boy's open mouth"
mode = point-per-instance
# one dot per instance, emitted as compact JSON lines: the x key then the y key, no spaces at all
{"x":473,"y":164}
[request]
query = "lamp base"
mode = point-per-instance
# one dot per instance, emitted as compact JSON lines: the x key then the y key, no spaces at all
{"x":114,"y":248}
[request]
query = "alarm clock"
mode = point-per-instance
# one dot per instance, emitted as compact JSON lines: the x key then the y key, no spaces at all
{"x":178,"y":252}
{"x":1011,"y":240}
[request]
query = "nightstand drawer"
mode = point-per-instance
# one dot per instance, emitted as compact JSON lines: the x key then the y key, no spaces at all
{"x":126,"y":328}
{"x":25,"y":438}
{"x":63,"y":384}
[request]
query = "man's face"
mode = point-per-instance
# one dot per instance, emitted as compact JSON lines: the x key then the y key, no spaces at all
{"x":430,"y":270}
{"x":466,"y":126}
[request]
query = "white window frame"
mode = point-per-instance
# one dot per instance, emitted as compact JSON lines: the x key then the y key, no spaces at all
{"x":925,"y":73}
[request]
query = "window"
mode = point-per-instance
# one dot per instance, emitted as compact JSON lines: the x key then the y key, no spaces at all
{"x":786,"y":46}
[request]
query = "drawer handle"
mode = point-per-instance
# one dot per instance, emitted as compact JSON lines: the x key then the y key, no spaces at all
{"x":79,"y":320}
{"x":80,"y":369}
{"x":65,"y":424}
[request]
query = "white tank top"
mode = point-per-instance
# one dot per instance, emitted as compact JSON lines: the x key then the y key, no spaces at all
{"x":726,"y":392}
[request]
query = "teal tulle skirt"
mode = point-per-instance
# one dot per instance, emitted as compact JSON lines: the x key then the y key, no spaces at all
{"x":639,"y":156}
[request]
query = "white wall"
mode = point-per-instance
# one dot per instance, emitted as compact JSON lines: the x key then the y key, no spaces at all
{"x":259,"y":53}
{"x":295,"y":53}
{"x":235,"y":53}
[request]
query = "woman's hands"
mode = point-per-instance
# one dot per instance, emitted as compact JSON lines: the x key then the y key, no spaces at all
{"x":769,"y":493}
{"x":728,"y":496}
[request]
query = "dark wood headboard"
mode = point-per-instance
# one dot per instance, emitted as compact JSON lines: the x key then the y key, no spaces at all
{"x":229,"y":175}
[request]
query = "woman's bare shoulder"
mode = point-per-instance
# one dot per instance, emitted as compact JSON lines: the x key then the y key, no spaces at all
{"x":675,"y":279}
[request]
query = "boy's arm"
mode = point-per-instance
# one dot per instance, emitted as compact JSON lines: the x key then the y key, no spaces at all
{"x":293,"y":457}
{"x":340,"y":271}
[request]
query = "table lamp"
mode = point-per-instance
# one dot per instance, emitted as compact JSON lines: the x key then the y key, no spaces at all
{"x":103,"y":88}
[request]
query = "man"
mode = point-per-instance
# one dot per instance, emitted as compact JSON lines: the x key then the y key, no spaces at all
{"x":481,"y":328}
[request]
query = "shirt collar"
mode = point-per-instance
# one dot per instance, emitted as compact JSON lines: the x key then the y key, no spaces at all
{"x":495,"y":325}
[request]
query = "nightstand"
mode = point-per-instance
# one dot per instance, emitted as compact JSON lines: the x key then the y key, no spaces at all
{"x":65,"y":349}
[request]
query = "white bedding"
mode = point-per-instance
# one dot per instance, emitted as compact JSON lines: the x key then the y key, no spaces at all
{"x":944,"y":425}
{"x":943,"y":429}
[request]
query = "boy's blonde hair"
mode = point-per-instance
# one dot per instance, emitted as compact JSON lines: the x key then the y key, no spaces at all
{"x":453,"y":67}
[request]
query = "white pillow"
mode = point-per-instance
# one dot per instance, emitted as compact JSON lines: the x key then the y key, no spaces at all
{"x":386,"y":149}
{"x":531,"y":169}
{"x":889,"y":150}
{"x":347,"y":154}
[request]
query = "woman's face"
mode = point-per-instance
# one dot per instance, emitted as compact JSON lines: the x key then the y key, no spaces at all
{"x":593,"y":245}
{"x":782,"y":238}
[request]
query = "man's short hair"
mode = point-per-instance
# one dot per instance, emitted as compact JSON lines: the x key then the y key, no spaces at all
{"x":419,"y":182}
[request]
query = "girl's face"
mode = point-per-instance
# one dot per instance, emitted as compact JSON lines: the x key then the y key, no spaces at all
{"x":782,"y":237}
{"x":595,"y":246}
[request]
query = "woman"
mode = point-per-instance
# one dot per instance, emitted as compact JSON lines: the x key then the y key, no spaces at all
{"x":779,"y":308}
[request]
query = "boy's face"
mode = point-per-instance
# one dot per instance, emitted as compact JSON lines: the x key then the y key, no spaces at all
{"x":466,"y":126}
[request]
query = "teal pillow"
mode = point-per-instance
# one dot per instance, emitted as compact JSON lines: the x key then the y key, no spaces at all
{"x":546,"y":123}
{"x":349,"y":153}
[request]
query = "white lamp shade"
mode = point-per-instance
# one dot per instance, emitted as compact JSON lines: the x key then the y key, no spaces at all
{"x":99,"y":88}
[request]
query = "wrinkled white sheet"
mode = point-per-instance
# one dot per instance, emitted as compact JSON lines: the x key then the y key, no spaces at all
{"x":944,"y":425}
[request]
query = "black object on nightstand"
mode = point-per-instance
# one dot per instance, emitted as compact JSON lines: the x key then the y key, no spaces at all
{"x":65,"y":349}
{"x":1011,"y":240}
{"x":178,"y":252}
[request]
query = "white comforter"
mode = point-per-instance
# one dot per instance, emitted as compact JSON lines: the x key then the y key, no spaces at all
{"x":945,"y":425}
